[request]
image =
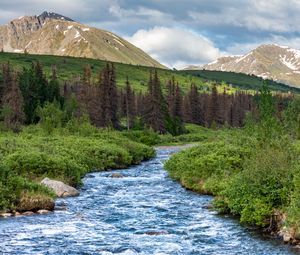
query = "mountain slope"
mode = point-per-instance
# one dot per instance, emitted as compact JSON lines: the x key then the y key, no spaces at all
{"x":54,"y":34}
{"x":70,"y":68}
{"x":271,"y":61}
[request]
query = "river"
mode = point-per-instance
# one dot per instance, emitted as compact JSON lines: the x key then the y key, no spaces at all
{"x":121,"y":216}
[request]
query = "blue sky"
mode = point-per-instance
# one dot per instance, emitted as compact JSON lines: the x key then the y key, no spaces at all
{"x":179,"y":32}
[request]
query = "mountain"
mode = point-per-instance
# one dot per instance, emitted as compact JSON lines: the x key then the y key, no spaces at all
{"x":271,"y":61}
{"x":54,"y":34}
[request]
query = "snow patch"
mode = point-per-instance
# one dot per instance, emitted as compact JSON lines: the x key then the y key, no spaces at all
{"x":57,"y":27}
{"x":111,"y":34}
{"x":21,"y":17}
{"x":77,"y":34}
{"x":119,"y":42}
{"x":287,"y":63}
{"x":242,"y":58}
{"x":28,"y":44}
{"x":70,"y":27}
{"x":281,"y":46}
{"x":18,"y":50}
{"x":295,"y":52}
{"x":85,"y":29}
{"x":66,"y":31}
{"x":63,"y":50}
{"x":212,"y":63}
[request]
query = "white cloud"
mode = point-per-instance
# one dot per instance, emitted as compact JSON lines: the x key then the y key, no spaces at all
{"x":254,"y":15}
{"x":175,"y":47}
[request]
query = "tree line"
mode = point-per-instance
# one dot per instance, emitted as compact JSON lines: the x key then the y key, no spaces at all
{"x":162,"y":108}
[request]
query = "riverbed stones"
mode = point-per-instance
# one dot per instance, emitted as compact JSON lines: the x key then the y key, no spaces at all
{"x":156,"y":233}
{"x":28,"y":213}
{"x":5,"y":215}
{"x":59,"y":188}
{"x":43,"y":212}
{"x":116,"y":175}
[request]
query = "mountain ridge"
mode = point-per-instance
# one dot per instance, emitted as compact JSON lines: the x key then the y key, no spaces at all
{"x":269,"y":61}
{"x":54,"y":34}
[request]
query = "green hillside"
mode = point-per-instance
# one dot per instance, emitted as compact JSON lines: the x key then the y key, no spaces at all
{"x":69,"y":68}
{"x":240,"y":80}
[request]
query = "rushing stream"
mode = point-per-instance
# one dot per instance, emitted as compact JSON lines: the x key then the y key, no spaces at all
{"x":123,"y":216}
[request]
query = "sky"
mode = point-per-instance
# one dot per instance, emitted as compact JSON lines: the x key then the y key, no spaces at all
{"x":179,"y":32}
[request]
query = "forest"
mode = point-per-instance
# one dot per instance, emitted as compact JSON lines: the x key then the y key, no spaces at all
{"x":28,"y":97}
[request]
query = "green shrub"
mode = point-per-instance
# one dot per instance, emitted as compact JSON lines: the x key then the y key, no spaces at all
{"x":35,"y":165}
{"x":264,"y":184}
{"x":209,"y":161}
{"x":12,"y":186}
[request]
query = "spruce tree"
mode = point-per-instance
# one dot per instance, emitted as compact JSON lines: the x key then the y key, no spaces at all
{"x":129,"y":104}
{"x":12,"y":109}
{"x":156,"y":108}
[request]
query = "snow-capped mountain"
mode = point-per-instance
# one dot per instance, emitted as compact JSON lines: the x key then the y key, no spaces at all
{"x":270,"y":61}
{"x":55,"y":34}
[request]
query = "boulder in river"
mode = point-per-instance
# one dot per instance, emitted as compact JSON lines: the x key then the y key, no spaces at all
{"x":60,"y":189}
{"x":5,"y":215}
{"x":43,"y":211}
{"x":156,"y":233}
{"x":29,"y":213}
{"x":116,"y":175}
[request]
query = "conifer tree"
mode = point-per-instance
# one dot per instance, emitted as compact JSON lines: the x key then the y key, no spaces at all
{"x":113,"y":97}
{"x":12,"y":109}
{"x":156,"y":108}
{"x":129,"y":104}
{"x":108,"y":97}
{"x":53,"y":88}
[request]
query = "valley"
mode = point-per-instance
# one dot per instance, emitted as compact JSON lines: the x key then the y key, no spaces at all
{"x":107,"y":148}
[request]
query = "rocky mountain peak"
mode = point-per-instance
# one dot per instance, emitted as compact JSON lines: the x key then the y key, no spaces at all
{"x":269,"y":61}
{"x":54,"y":34}
{"x":51,"y":15}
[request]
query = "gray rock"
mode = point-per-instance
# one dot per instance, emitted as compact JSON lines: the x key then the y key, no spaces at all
{"x":116,"y":175}
{"x":156,"y":233}
{"x":60,"y":208}
{"x":29,"y":213}
{"x":5,"y":215}
{"x":287,"y":237}
{"x":43,"y":211}
{"x":60,"y":189}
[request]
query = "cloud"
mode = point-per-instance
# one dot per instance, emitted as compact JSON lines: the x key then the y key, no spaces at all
{"x":175,"y":47}
{"x":253,"y":15}
{"x":232,"y":26}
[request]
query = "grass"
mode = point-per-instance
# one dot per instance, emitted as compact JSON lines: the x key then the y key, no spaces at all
{"x":71,"y":67}
{"x":241,"y":81}
{"x":65,"y":155}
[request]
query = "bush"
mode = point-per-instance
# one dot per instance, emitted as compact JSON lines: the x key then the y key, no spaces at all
{"x":12,"y":187}
{"x":33,"y":155}
{"x":203,"y":168}
{"x":264,"y":185}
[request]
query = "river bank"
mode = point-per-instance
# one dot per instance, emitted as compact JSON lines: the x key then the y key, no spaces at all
{"x":32,"y":155}
{"x":256,"y":181}
{"x":121,"y":215}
